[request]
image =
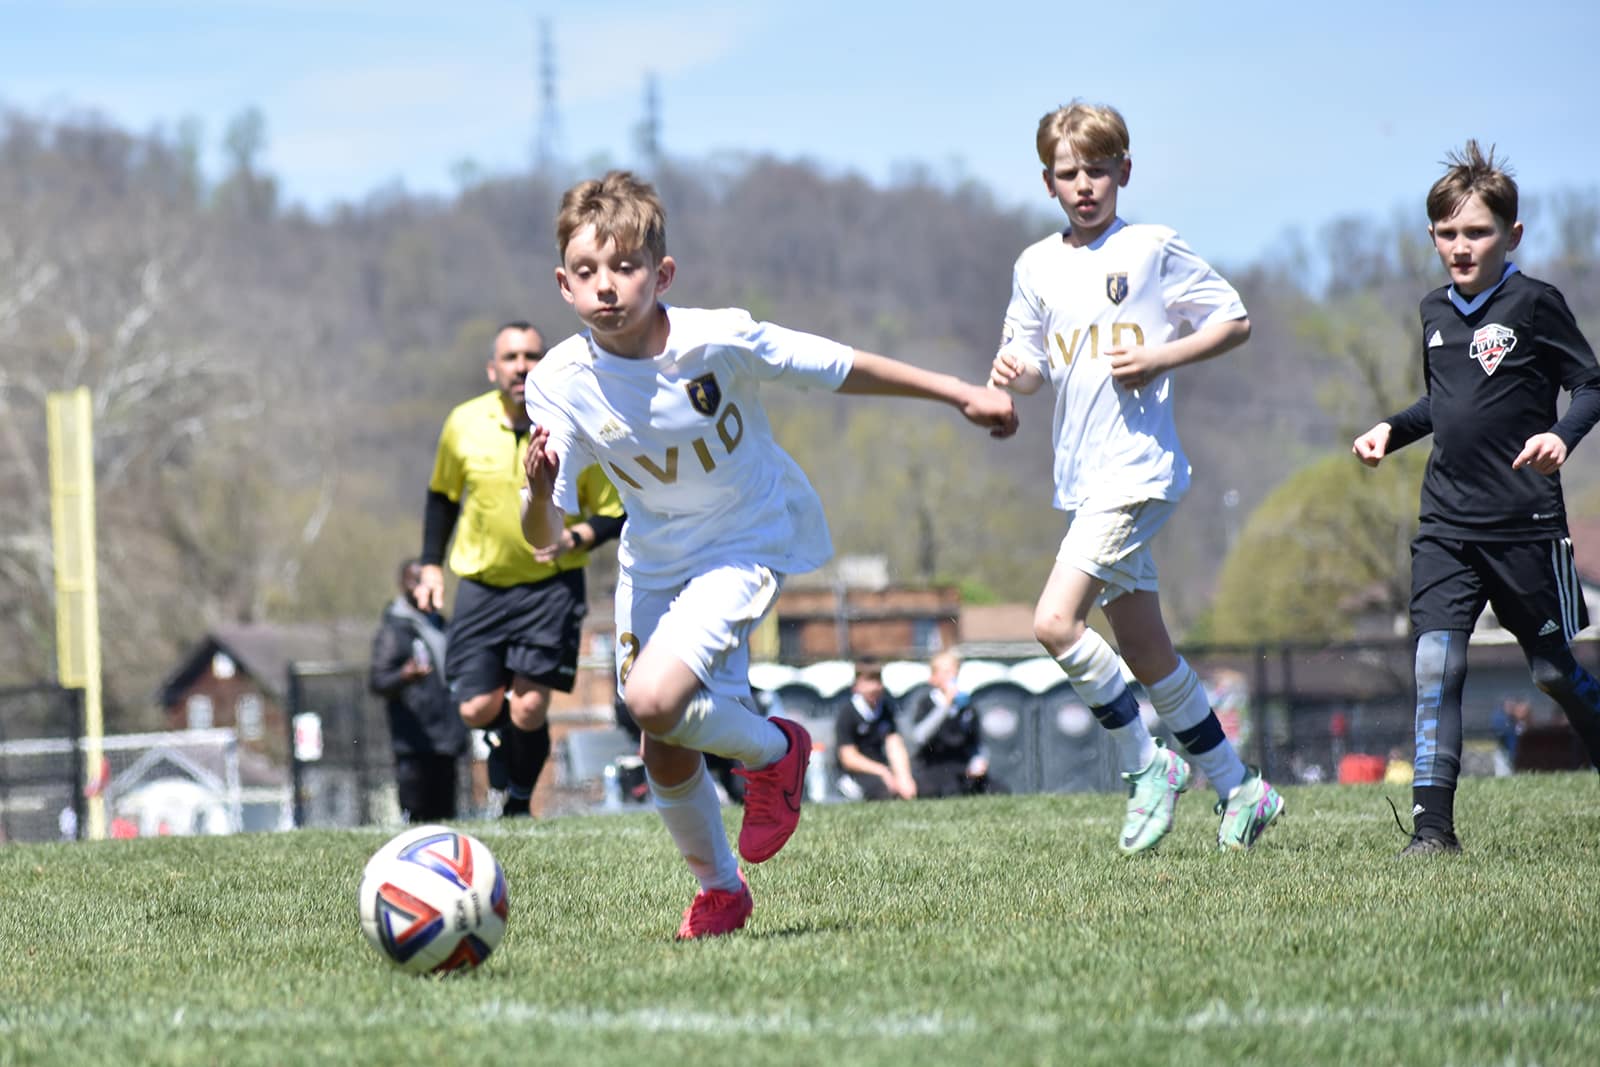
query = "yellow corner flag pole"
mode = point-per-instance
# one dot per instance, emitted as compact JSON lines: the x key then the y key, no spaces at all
{"x":71,"y":429}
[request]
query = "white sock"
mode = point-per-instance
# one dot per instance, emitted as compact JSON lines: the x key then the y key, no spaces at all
{"x":1095,"y":672}
{"x":1182,"y":703}
{"x":694,"y":820}
{"x":728,"y":728}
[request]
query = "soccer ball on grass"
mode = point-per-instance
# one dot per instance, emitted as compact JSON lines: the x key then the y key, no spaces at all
{"x":433,"y":900}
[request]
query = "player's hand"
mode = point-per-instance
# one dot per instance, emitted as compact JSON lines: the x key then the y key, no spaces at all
{"x":540,"y":465}
{"x":1134,"y":368}
{"x":992,"y":408}
{"x":1373,"y":445}
{"x":429,"y":593}
{"x":1005,"y":370}
{"x":567,"y":542}
{"x":1544,"y":452}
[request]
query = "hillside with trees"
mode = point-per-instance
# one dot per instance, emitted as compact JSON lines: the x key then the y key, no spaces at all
{"x":268,"y":383}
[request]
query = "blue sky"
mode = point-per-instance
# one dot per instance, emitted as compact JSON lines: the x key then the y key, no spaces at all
{"x":1247,"y":119}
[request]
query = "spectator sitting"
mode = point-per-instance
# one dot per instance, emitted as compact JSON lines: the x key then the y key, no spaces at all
{"x":872,"y":757}
{"x":1509,"y":722}
{"x":950,"y":758}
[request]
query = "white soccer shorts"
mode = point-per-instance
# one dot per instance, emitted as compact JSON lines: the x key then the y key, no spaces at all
{"x":1112,"y":543}
{"x":706,"y":623}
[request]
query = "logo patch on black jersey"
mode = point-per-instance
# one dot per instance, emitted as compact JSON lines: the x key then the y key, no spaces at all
{"x":705,"y":394}
{"x":1491,"y":344}
{"x":1117,"y":287}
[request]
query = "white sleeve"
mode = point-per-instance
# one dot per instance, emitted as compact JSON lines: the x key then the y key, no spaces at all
{"x":566,"y":442}
{"x":1022,"y":336}
{"x":1192,"y":290}
{"x":776,"y":353}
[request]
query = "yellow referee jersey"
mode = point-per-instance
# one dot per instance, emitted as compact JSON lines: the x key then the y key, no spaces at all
{"x":479,"y":466}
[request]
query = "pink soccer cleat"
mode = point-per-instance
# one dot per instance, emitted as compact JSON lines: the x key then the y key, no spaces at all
{"x":715,"y":912}
{"x":772,"y":797}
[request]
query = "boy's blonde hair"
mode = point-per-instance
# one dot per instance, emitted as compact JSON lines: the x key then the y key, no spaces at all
{"x":1092,"y":131}
{"x":1471,"y":170}
{"x":621,"y":207}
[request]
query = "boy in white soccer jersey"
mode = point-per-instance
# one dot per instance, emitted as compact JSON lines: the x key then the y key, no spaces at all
{"x":1097,"y":310}
{"x":666,"y":400}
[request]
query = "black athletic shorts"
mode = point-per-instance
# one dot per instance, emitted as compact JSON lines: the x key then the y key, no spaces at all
{"x":1532,"y":586}
{"x":531,"y":630}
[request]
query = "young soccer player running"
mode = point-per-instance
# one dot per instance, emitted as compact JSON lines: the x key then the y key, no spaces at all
{"x":667,"y":400}
{"x":1096,"y":309}
{"x":1497,"y":349}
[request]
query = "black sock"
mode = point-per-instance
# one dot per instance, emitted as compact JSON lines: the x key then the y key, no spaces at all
{"x":526,"y":752}
{"x":1582,"y":708}
{"x":1433,"y":807}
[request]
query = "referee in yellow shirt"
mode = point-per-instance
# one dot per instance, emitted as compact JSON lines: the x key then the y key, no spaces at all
{"x":514,"y":635}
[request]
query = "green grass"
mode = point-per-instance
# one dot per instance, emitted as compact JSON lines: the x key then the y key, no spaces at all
{"x":992,"y":930}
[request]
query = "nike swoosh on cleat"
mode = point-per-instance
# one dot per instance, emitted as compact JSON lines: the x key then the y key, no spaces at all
{"x":793,"y":795}
{"x":1148,"y":819}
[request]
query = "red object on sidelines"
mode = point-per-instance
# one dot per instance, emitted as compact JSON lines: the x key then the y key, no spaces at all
{"x":1361,"y":767}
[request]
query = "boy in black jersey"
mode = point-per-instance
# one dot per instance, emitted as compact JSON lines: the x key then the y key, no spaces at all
{"x":1498,"y":347}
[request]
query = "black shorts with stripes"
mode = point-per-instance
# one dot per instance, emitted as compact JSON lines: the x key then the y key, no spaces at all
{"x":1532,"y":586}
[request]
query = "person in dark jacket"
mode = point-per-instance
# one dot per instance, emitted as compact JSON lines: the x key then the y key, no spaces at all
{"x":428,"y":735}
{"x":948,"y":754}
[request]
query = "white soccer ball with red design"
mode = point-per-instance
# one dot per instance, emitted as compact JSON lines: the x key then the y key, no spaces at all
{"x":433,"y":900}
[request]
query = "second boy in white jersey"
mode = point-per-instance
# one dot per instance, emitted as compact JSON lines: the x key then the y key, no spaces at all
{"x":1099,"y":309}
{"x":666,"y":400}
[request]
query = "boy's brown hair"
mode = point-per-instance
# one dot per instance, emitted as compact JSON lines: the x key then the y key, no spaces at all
{"x":621,"y":207}
{"x":1471,"y":170}
{"x":1092,"y":131}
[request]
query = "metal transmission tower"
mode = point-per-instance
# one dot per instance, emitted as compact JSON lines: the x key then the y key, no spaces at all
{"x":647,"y":135}
{"x":547,"y":144}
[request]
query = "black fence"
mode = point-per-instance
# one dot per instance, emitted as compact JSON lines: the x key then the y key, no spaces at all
{"x":1296,"y":711}
{"x":41,"y":766}
{"x":341,"y":759}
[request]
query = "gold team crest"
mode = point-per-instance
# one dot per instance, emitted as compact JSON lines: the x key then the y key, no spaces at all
{"x":1117,"y":287}
{"x":705,"y":394}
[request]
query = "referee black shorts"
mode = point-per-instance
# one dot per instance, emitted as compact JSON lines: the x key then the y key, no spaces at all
{"x":1532,"y":586}
{"x":501,"y":631}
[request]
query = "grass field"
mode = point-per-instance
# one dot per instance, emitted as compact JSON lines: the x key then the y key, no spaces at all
{"x":991,"y":930}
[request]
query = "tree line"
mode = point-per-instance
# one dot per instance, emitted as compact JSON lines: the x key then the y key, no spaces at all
{"x":268,"y":384}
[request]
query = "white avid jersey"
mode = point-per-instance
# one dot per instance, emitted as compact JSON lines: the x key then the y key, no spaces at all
{"x":1137,"y":285}
{"x":685,"y":440}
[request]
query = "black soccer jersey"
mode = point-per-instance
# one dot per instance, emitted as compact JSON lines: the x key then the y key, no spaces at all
{"x":869,"y":735}
{"x":1494,"y":366}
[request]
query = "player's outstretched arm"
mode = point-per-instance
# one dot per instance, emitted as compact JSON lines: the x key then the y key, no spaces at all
{"x":875,"y":375}
{"x":542,"y":521}
{"x":1373,"y":445}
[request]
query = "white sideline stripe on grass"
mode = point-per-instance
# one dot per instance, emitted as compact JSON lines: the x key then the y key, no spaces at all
{"x":663,"y":1020}
{"x":640,"y":1020}
{"x":1221,"y":1016}
{"x":1217,"y":1016}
